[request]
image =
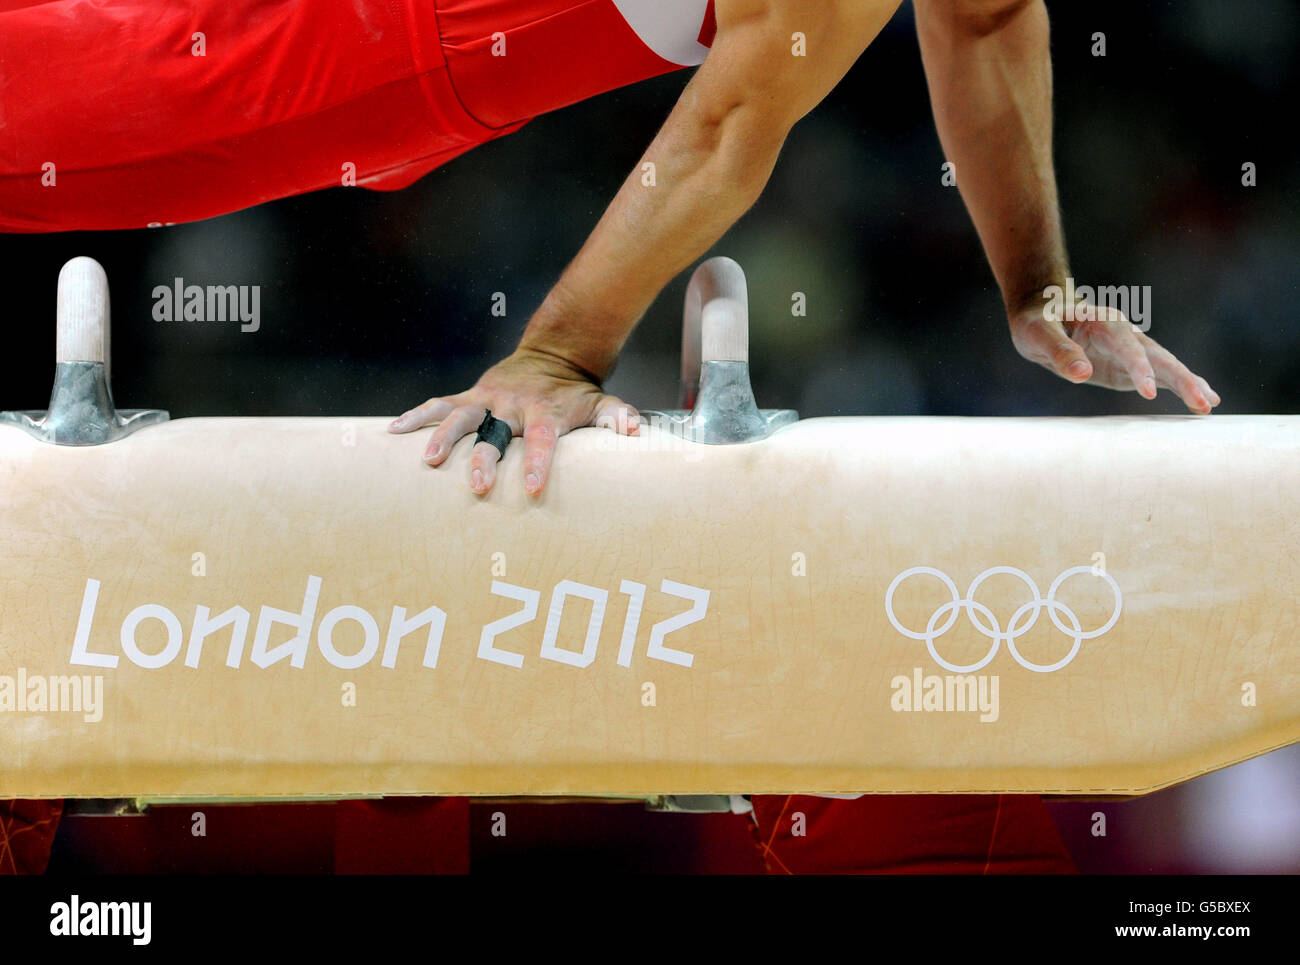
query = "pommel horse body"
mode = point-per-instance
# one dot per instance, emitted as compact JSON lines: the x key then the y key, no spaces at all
{"x":734,"y":601}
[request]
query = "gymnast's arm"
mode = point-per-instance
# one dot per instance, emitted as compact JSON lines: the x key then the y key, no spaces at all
{"x":712,"y":158}
{"x":989,"y":71}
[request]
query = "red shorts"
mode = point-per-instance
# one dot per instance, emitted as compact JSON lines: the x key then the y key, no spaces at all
{"x":129,"y":113}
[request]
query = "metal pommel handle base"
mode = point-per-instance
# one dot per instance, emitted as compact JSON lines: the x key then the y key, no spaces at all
{"x":718,"y":406}
{"x":81,"y":411}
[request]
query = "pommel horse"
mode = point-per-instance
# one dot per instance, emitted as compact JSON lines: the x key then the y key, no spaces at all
{"x":734,"y":601}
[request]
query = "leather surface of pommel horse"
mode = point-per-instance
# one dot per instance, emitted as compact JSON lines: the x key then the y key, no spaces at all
{"x":253,"y":608}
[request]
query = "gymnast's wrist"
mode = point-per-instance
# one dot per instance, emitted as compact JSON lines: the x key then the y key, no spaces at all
{"x":1032,"y":296}
{"x":562,"y":358}
{"x":577,"y":342}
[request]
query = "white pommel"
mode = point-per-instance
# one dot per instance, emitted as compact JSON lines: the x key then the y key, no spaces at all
{"x":82,"y":313}
{"x":81,"y":410}
{"x":717,"y":404}
{"x":716,"y":317}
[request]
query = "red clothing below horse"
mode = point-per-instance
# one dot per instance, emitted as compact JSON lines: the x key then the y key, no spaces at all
{"x":889,"y":834}
{"x":26,"y":835}
{"x":909,"y":834}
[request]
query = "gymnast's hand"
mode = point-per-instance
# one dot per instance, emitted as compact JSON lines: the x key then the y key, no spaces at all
{"x":539,"y":395}
{"x":1101,"y":347}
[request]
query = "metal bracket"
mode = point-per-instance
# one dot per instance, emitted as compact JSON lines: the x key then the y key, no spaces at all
{"x":717,"y":399}
{"x":700,"y":804}
{"x":81,"y":411}
{"x":104,"y":807}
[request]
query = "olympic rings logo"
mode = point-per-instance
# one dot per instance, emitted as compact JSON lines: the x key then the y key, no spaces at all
{"x":1021,"y":621}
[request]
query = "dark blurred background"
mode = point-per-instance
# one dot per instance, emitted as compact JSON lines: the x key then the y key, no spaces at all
{"x":372,"y":302}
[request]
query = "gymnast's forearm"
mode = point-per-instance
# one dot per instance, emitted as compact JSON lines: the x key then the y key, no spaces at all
{"x":699,"y":175}
{"x":711,"y":160}
{"x":989,"y":71}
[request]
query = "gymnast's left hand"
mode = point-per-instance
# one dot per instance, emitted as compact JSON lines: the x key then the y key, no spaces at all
{"x":1099,"y":346}
{"x":541,"y":396}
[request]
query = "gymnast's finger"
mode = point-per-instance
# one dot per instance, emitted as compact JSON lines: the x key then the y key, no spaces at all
{"x":426,"y":413}
{"x":483,"y":461}
{"x":1174,"y":375}
{"x":483,"y":467}
{"x":1208,"y":391}
{"x":613,"y":413}
{"x":460,"y":422}
{"x":540,"y":433}
{"x":1052,"y":347}
{"x":1123,"y":345}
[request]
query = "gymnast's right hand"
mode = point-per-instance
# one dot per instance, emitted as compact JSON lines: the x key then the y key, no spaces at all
{"x":539,"y":395}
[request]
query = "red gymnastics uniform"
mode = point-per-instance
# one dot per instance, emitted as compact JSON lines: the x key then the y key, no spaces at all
{"x":131,"y":113}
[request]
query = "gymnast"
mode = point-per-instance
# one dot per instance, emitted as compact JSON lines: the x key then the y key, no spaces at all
{"x":989,"y":72}
{"x":130,"y":113}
